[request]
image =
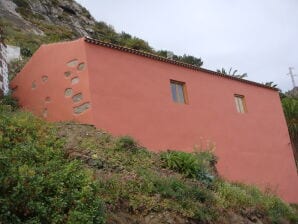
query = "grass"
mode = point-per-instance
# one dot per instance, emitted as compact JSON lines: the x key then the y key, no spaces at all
{"x":38,"y":184}
{"x":50,"y":161}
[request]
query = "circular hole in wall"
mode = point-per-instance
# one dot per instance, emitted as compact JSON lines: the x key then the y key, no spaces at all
{"x":47,"y":99}
{"x":67,"y":74}
{"x":72,"y":63}
{"x":68,"y":92}
{"x":77,"y":98}
{"x":81,"y":66}
{"x":44,"y":78}
{"x":75,"y":80}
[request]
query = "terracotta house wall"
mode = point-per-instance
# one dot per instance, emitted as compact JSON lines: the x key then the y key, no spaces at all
{"x":130,"y":95}
{"x":41,"y":85}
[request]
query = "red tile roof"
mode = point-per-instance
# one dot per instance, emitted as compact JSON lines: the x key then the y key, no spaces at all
{"x":179,"y":63}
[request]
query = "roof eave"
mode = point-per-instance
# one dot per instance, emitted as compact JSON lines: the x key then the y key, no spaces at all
{"x":167,"y":60}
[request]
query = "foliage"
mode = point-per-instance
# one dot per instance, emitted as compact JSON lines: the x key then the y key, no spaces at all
{"x":126,"y":143}
{"x":137,"y":44}
{"x":195,"y":165}
{"x":290,"y":107}
{"x":10,"y":101}
{"x":231,"y":72}
{"x":37,"y":183}
{"x":185,"y":58}
{"x":240,"y":196}
{"x":190,"y":60}
{"x":16,"y":66}
{"x":270,"y":84}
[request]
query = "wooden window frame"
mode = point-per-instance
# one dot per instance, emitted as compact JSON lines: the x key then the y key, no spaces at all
{"x":243,"y":103}
{"x":184,"y":91}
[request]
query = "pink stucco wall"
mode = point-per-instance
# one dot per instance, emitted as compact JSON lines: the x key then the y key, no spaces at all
{"x":51,"y":61}
{"x":130,"y":95}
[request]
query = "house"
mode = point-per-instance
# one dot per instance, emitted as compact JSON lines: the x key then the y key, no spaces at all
{"x":164,"y":104}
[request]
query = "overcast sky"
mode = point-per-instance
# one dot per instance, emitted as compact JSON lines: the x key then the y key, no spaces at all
{"x":259,"y":37}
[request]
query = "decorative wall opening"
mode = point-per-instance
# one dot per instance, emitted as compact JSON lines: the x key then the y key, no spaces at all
{"x":44,"y":78}
{"x":77,"y":98}
{"x":82,"y":108}
{"x":72,"y":63}
{"x":68,"y":92}
{"x":67,"y":74}
{"x":75,"y":80}
{"x":81,"y":66}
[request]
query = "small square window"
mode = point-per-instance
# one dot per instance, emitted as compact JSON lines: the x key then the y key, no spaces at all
{"x":178,"y":90}
{"x":240,"y":103}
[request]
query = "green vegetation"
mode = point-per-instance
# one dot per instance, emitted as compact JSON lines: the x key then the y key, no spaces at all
{"x":38,"y":184}
{"x":63,"y":30}
{"x":68,"y":173}
{"x":232,"y":72}
{"x":198,"y":165}
{"x":240,"y":196}
{"x":270,"y":84}
{"x":290,"y":107}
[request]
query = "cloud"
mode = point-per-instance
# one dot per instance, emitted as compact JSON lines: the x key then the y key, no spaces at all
{"x":257,"y":37}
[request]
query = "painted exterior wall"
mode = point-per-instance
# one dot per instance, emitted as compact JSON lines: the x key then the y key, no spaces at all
{"x":131,"y":95}
{"x":42,"y":84}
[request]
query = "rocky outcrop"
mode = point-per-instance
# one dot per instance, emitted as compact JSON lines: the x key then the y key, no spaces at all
{"x":28,"y":14}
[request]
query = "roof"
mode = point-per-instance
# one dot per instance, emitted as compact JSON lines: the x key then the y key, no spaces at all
{"x":170,"y":61}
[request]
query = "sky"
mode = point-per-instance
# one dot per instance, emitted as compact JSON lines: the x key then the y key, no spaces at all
{"x":257,"y":37}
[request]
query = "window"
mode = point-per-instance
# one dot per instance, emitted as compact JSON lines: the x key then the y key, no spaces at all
{"x":178,"y":90}
{"x":240,"y":104}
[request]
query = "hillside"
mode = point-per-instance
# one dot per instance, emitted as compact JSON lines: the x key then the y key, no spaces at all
{"x":29,"y":23}
{"x":73,"y":173}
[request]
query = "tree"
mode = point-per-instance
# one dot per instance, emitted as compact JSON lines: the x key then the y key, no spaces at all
{"x":290,"y":107}
{"x":137,"y":44}
{"x":232,"y":72}
{"x":191,"y":60}
{"x":270,"y":84}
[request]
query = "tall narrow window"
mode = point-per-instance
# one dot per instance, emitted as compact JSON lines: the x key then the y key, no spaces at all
{"x":240,"y":104}
{"x":178,"y":92}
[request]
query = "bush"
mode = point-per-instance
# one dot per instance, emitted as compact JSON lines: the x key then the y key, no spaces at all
{"x":126,"y":143}
{"x":16,"y":66}
{"x":195,"y":165}
{"x":9,"y":100}
{"x":239,"y":196}
{"x":37,"y":183}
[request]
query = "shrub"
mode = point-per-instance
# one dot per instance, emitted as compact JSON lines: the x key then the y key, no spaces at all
{"x":239,"y":196}
{"x":37,"y":183}
{"x":9,"y":100}
{"x":197,"y":165}
{"x":126,"y":143}
{"x":16,"y":66}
